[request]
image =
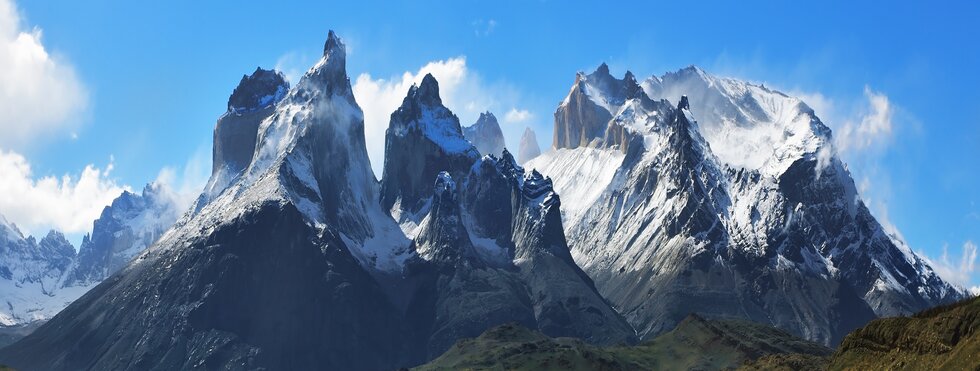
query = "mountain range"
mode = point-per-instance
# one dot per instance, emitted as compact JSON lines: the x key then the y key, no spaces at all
{"x":38,"y":278}
{"x":686,"y":193}
{"x":745,"y":213}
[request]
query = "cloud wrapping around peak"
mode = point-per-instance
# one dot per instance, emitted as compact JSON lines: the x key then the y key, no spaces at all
{"x":68,"y":203}
{"x":874,"y":128}
{"x":462,"y":90}
{"x":39,"y":94}
{"x":862,"y":133}
{"x":184,"y":184}
{"x":959,"y":271}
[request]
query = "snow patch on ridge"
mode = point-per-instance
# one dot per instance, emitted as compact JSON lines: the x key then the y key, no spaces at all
{"x":580,"y":175}
{"x":747,"y":125}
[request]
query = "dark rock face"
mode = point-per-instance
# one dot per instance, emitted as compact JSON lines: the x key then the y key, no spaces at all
{"x":442,"y":238}
{"x":524,"y":274}
{"x":236,"y":132}
{"x":855,"y":242}
{"x":250,"y":103}
{"x":257,"y":91}
{"x":423,"y":139}
{"x":229,"y":300}
{"x":485,"y":134}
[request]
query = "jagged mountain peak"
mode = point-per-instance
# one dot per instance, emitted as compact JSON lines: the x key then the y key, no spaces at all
{"x":602,"y":69}
{"x":529,"y":148}
{"x":445,"y":188}
{"x":427,"y":92}
{"x":423,"y":139}
{"x":683,"y":103}
{"x":442,"y":237}
{"x":330,"y":73}
{"x":538,"y":188}
{"x":9,"y":230}
{"x":485,"y":134}
{"x":422,"y":110}
{"x":333,"y":45}
{"x":593,"y":100}
{"x":55,"y":237}
{"x":486,"y":119}
{"x":629,"y":77}
{"x":262,"y":89}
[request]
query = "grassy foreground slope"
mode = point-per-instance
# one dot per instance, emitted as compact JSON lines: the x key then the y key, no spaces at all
{"x":942,"y":338}
{"x":696,"y":343}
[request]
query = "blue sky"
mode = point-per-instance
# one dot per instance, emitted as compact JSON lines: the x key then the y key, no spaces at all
{"x":154,"y":76}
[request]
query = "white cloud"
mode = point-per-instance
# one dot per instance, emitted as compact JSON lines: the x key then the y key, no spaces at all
{"x":873,"y":128}
{"x":68,"y":203}
{"x":39,"y":94}
{"x":461,"y":89}
{"x":184,"y":184}
{"x":515,"y":116}
{"x":294,"y":65}
{"x":959,"y":272}
{"x":867,"y":126}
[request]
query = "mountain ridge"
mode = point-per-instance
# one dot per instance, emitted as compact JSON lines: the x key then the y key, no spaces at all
{"x":791,"y":213}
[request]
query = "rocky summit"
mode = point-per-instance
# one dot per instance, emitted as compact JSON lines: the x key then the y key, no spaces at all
{"x":485,"y":135}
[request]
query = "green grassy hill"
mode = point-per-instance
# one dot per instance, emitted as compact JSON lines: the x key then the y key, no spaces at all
{"x":696,"y":343}
{"x":942,"y":338}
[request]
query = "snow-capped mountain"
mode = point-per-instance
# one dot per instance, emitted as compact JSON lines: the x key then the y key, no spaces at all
{"x":30,"y":272}
{"x":303,"y":260}
{"x":529,"y":146}
{"x":252,"y":101}
{"x":423,"y":139}
{"x":490,"y":247}
{"x":39,"y":278}
{"x":486,"y":135}
{"x":126,"y":227}
{"x":747,"y":209}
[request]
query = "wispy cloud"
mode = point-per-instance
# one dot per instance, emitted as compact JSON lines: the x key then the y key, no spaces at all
{"x":484,"y":27}
{"x":39,"y":94}
{"x":294,"y":65}
{"x":958,"y":271}
{"x":515,"y":116}
{"x":184,"y":183}
{"x":872,"y":128}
